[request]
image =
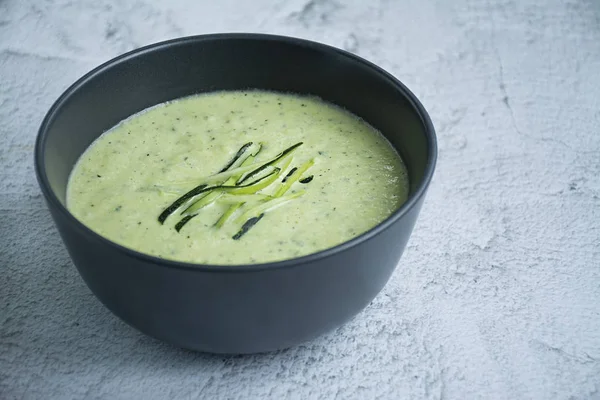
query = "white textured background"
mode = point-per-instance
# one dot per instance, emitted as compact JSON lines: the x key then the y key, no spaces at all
{"x":498,"y":293}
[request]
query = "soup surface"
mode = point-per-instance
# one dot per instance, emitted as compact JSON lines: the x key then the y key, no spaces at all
{"x":183,"y":180}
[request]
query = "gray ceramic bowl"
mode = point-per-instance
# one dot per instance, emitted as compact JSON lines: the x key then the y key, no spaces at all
{"x":239,"y":308}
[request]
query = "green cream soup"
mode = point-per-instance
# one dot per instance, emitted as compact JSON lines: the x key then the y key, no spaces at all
{"x":237,"y":177}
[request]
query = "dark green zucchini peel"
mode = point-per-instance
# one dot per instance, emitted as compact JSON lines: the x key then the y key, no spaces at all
{"x":237,"y":156}
{"x":307,"y":179}
{"x":180,"y":201}
{"x":289,"y":174}
{"x":184,"y":221}
{"x":268,"y":163}
{"x":246,"y":227}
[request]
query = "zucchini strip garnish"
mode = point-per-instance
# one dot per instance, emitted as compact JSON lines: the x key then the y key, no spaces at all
{"x":237,"y":156}
{"x":225,"y":187}
{"x":307,"y":179}
{"x":278,"y":199}
{"x":246,"y":227}
{"x":230,"y":186}
{"x":250,"y":188}
{"x":184,"y":221}
{"x":268,"y":163}
{"x":243,"y":198}
{"x":208,"y":199}
{"x":287,"y":184}
{"x":285,"y":178}
{"x":180,"y":201}
{"x":270,"y":204}
{"x":222,"y":176}
{"x":234,"y":207}
{"x":203,"y":202}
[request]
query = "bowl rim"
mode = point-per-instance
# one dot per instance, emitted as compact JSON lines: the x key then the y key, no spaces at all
{"x":52,"y":199}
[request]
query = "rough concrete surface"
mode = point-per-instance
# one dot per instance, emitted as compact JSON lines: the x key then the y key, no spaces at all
{"x":498,"y":293}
